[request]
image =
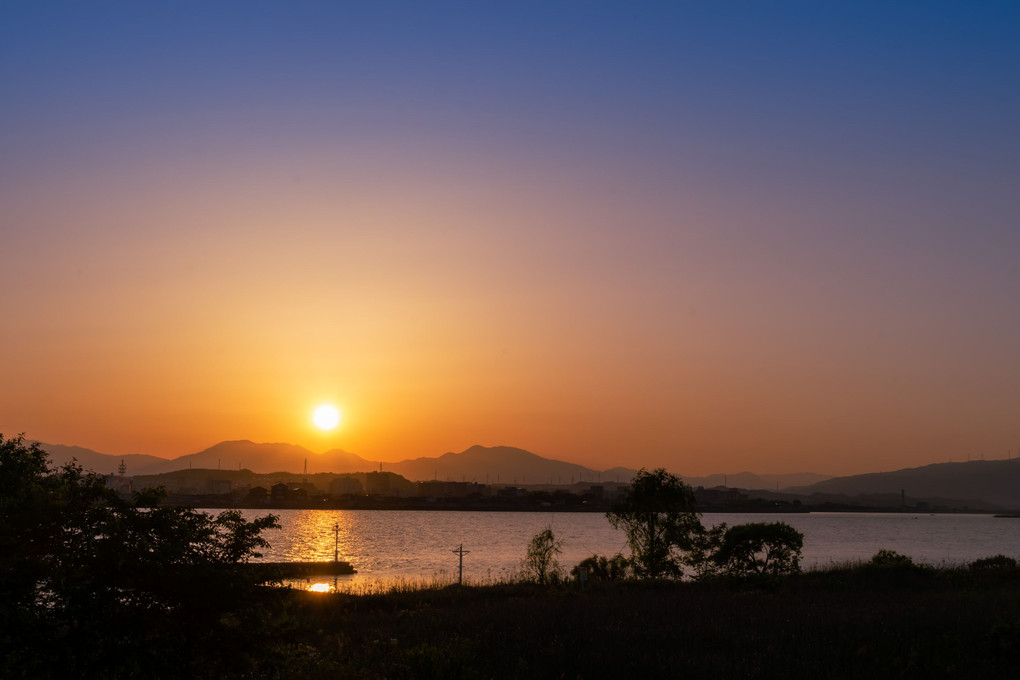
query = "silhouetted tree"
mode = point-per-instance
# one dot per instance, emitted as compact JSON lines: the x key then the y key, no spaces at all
{"x":88,"y":579}
{"x":756,"y":549}
{"x":602,"y":568}
{"x":658,"y":513}
{"x":539,"y":563}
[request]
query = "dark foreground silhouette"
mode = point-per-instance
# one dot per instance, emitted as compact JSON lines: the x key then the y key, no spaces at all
{"x":95,"y":586}
{"x":860,"y":622}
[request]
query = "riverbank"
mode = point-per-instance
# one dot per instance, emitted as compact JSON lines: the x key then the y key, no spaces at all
{"x":896,"y":620}
{"x":837,"y":623}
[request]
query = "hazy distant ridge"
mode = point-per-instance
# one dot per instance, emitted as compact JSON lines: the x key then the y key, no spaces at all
{"x":100,"y":462}
{"x":482,"y":464}
{"x":502,"y":464}
{"x":996,"y":482}
{"x":993,"y":481}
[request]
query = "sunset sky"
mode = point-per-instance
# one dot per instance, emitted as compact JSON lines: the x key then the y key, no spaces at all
{"x":710,"y":236}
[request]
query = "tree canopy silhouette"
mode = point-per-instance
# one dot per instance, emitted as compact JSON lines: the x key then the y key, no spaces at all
{"x":757,"y":549}
{"x":94,"y":576}
{"x":659,"y":515}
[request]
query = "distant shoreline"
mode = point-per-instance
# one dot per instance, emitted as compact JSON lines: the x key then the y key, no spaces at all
{"x":435,"y":507}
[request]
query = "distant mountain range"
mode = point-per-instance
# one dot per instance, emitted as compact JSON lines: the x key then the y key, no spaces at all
{"x":498,"y":464}
{"x":982,"y":484}
{"x":494,"y":465}
{"x":992,"y":481}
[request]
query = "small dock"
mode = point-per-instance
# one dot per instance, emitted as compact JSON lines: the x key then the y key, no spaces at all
{"x":301,"y":569}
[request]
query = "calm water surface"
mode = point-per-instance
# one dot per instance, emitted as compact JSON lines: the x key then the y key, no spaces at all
{"x":392,"y":545}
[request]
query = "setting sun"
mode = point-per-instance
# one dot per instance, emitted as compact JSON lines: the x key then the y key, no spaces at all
{"x":326,"y":417}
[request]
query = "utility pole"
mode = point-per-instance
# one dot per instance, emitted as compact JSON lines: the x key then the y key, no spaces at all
{"x":460,"y":552}
{"x":336,"y":542}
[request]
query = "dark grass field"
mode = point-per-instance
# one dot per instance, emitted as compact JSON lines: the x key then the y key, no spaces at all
{"x":853,"y":623}
{"x":856,"y":622}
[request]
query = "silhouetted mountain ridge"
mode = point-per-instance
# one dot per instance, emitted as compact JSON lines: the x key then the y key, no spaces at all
{"x":992,"y":481}
{"x":98,"y":462}
{"x":492,"y":464}
{"x":498,"y":464}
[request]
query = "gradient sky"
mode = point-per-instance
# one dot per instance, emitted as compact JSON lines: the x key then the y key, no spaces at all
{"x":710,"y":236}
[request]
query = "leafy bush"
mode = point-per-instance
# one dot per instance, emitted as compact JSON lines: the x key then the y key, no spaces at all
{"x":890,"y":559}
{"x":753,"y":549}
{"x":993,"y":564}
{"x":601,"y":568}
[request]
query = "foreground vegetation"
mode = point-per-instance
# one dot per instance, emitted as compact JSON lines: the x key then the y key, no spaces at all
{"x":854,"y":622}
{"x":883,"y":619}
{"x":94,"y":586}
{"x":841,"y":623}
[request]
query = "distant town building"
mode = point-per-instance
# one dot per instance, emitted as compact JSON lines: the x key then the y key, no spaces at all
{"x":306,"y":488}
{"x":346,"y":486}
{"x":719,"y":496}
{"x":220,"y":487}
{"x":257,"y":494}
{"x":435,"y":489}
{"x":279,"y":492}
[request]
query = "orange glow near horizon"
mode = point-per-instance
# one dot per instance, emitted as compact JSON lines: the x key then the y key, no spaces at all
{"x":456,"y":246}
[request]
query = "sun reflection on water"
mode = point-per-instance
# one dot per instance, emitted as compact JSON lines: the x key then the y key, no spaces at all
{"x":314,"y":538}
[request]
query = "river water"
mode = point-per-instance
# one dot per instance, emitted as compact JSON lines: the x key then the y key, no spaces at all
{"x":392,"y":546}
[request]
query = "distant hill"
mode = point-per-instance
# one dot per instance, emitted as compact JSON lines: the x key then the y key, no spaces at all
{"x":98,"y":462}
{"x":266,"y":458}
{"x":232,"y":455}
{"x":495,"y":465}
{"x":978,"y":484}
{"x":244,"y":454}
{"x":499,"y":464}
{"x":991,"y":481}
{"x":503,"y":465}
